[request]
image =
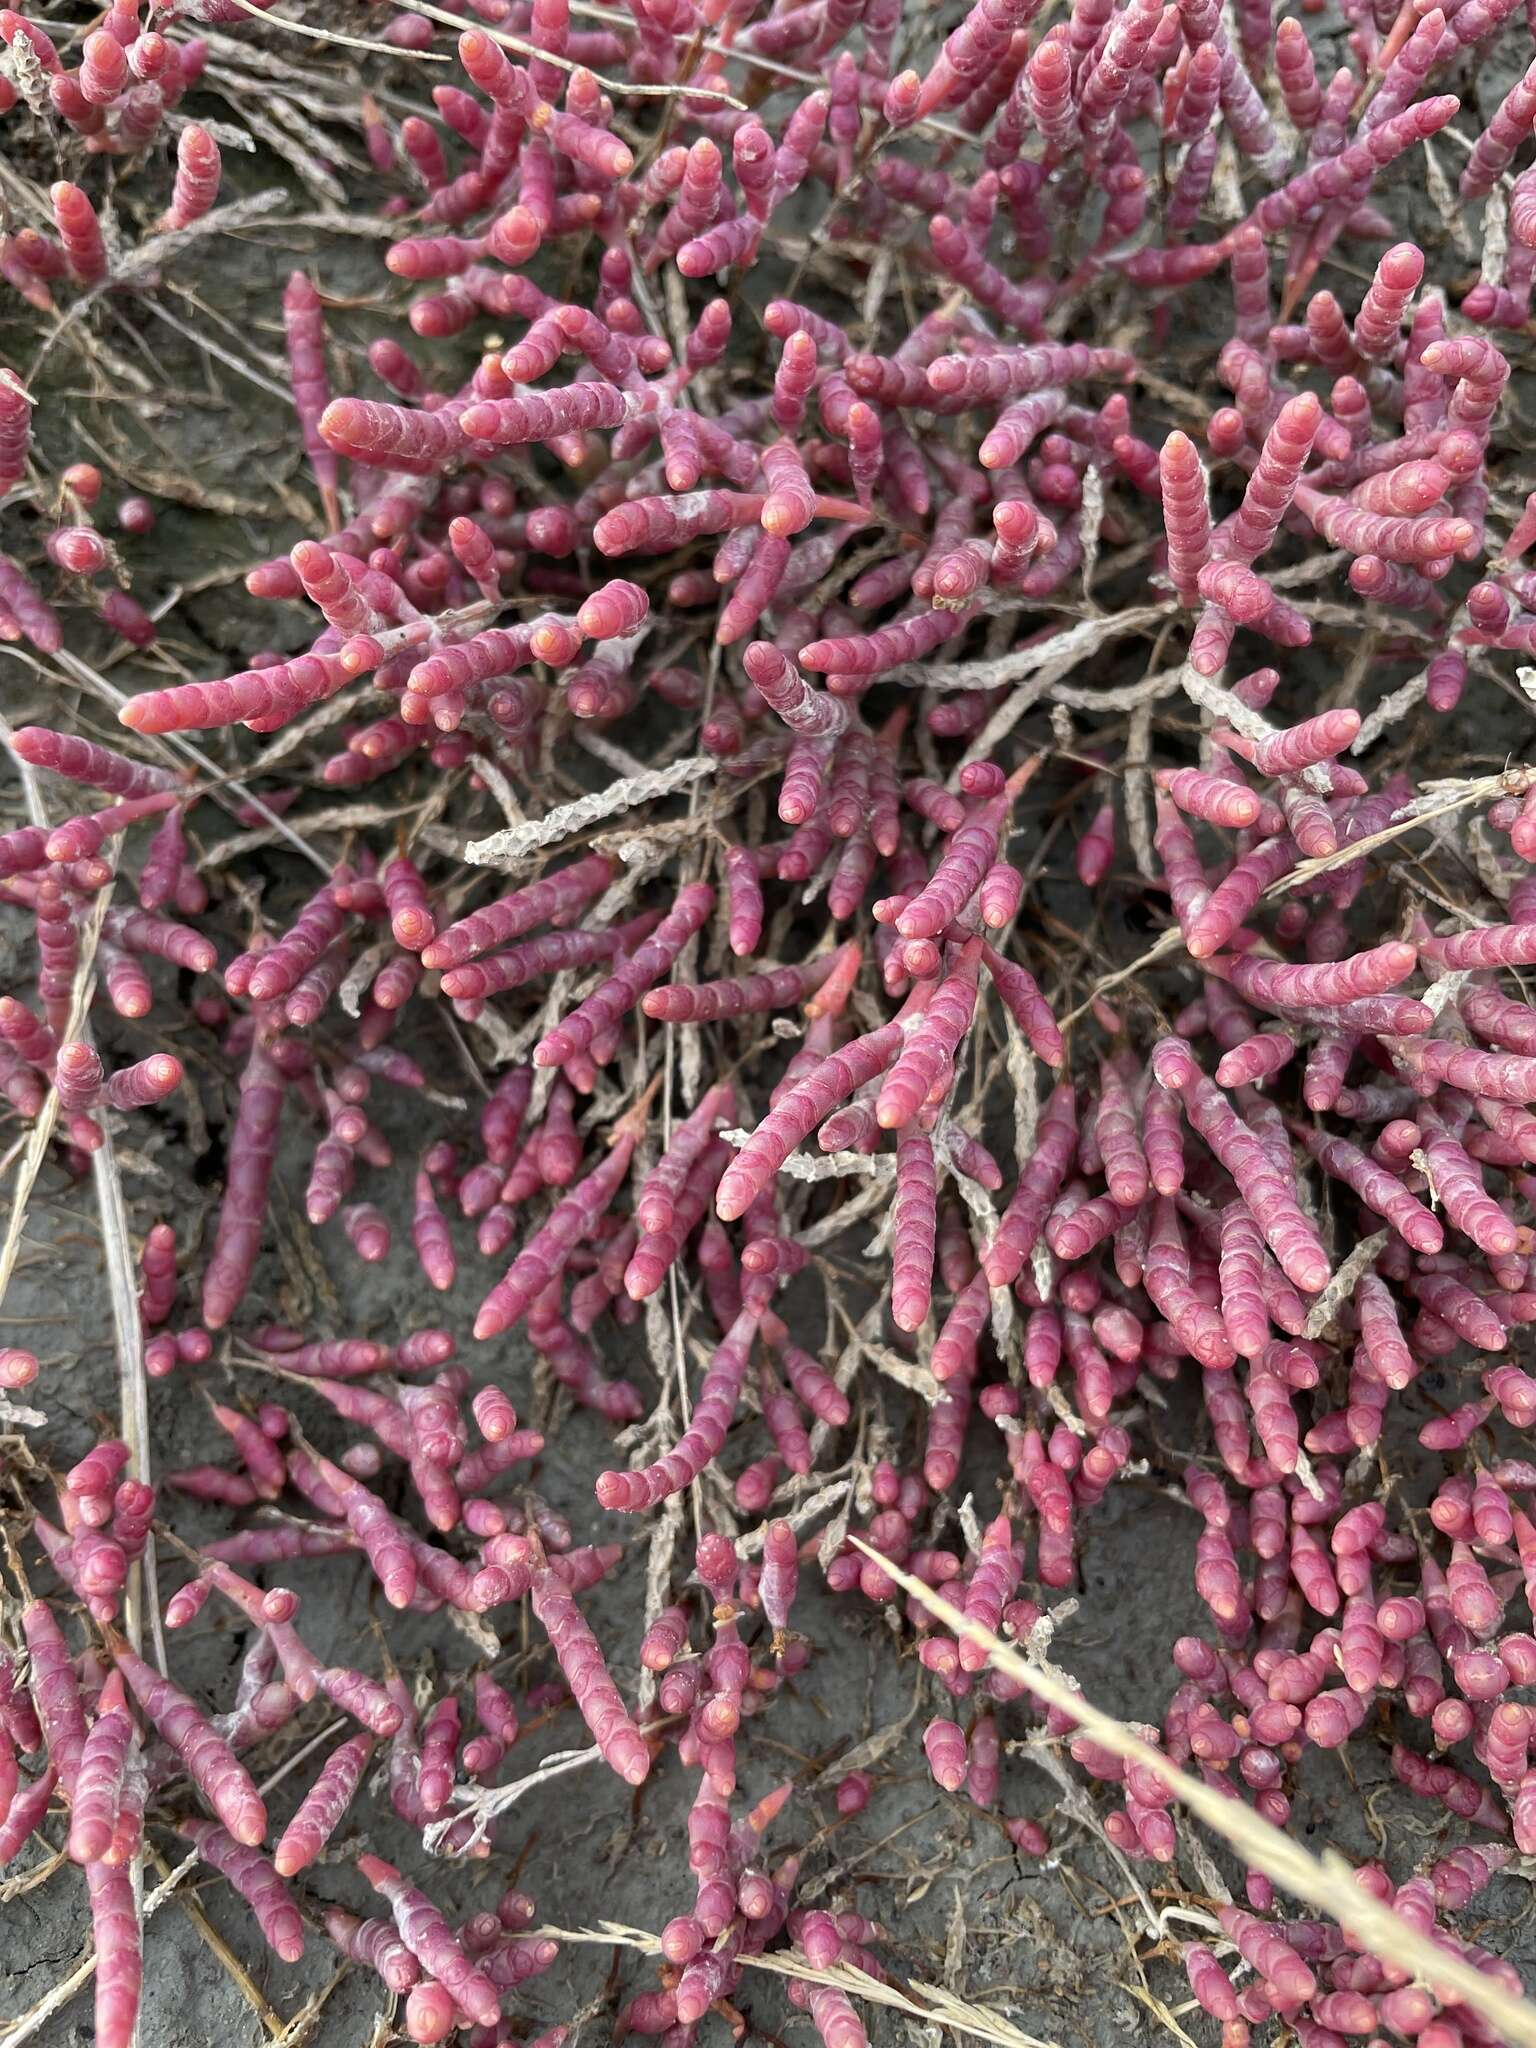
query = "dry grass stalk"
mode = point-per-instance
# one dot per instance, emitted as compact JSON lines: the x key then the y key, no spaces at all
{"x":1326,"y":1883}
{"x":931,"y":2002}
